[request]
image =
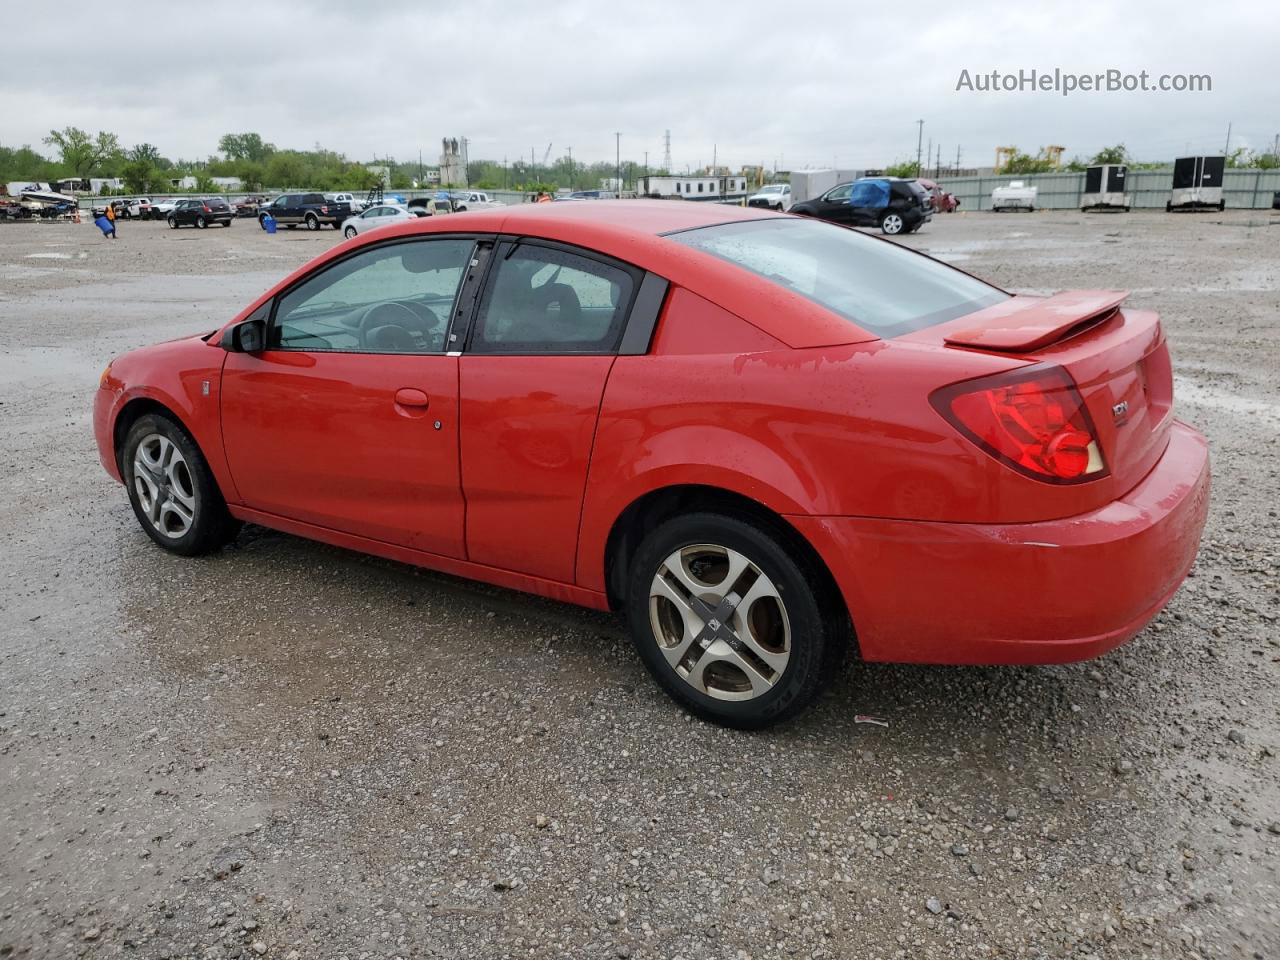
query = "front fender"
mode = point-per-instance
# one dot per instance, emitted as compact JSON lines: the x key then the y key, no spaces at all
{"x":184,"y":377}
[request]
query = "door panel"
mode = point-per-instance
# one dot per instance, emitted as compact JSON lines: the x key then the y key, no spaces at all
{"x":527,"y":427}
{"x":321,"y":437}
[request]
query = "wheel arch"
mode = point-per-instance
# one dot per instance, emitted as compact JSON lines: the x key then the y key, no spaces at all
{"x":133,"y":411}
{"x":650,"y":510}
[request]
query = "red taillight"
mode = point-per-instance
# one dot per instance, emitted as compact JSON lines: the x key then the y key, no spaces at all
{"x":205,"y":209}
{"x":324,"y":209}
{"x":1031,"y":419}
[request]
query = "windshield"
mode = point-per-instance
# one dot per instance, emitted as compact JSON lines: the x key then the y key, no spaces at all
{"x":883,"y":288}
{"x":770,"y":189}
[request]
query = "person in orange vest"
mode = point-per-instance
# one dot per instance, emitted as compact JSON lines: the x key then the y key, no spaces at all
{"x":543,"y":197}
{"x":110,"y":214}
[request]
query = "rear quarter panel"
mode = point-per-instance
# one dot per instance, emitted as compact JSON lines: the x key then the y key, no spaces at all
{"x":829,"y":431}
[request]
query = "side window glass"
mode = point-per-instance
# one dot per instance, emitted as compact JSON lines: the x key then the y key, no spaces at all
{"x":840,"y":193}
{"x":395,"y":298}
{"x":548,"y":301}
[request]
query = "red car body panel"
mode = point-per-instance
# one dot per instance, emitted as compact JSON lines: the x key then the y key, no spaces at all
{"x":528,"y":425}
{"x":942,"y":552}
{"x":1048,"y":592}
{"x":321,"y":438}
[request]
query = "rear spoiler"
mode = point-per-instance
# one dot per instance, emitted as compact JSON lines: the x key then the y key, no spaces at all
{"x":1021,"y":324}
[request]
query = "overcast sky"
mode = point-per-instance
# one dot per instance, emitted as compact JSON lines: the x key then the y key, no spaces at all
{"x":804,"y":84}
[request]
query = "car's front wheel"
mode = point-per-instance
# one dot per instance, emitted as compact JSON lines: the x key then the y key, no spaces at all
{"x":891,"y":223}
{"x":349,"y":232}
{"x":173,"y":223}
{"x":172,"y":490}
{"x":729,"y":621}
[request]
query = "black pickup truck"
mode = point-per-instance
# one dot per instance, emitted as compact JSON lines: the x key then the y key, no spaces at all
{"x":311,"y":209}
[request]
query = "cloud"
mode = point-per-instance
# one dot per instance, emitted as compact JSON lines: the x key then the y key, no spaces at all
{"x":807,"y":84}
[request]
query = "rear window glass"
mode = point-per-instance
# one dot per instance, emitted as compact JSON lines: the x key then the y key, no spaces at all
{"x":883,"y":288}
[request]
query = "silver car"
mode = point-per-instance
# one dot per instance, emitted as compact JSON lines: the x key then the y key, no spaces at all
{"x":383,"y":215}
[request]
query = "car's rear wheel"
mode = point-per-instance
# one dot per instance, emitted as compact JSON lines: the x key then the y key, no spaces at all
{"x":349,"y":232}
{"x":172,"y":490}
{"x":313,"y":222}
{"x":729,"y":621}
{"x":891,"y":223}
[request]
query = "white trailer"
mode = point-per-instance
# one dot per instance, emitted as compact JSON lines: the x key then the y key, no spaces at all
{"x":1016,"y":196}
{"x":1104,"y":188}
{"x":1197,"y":184}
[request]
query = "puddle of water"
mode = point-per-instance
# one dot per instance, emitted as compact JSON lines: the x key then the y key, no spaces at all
{"x":1218,"y":398}
{"x":47,"y":256}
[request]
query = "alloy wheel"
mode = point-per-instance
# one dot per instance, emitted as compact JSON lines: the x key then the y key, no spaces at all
{"x":720,"y":622}
{"x":164,"y":485}
{"x":892,"y":224}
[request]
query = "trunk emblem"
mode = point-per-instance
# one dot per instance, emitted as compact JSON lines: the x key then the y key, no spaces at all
{"x":1120,"y":411}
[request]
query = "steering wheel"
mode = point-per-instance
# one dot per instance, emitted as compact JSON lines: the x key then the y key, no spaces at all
{"x":391,"y":313}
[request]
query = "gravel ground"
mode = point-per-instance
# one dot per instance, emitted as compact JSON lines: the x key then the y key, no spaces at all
{"x":291,"y":751}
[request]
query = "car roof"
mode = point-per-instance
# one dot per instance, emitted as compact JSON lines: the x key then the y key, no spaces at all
{"x":635,"y":231}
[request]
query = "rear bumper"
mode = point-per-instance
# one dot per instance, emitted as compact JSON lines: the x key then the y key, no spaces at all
{"x":1049,"y":592}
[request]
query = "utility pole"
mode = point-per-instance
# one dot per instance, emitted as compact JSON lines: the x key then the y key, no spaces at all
{"x":919,"y":143}
{"x":957,"y":159}
{"x":570,"y":168}
{"x":937,"y":169}
{"x":504,"y":172}
{"x":928,"y":155}
{"x":1226,"y":151}
{"x":646,"y":163}
{"x":617,"y":142}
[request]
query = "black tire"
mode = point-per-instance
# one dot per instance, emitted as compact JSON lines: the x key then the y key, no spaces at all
{"x":337,"y":225}
{"x":349,"y":232}
{"x":813,"y":649}
{"x":892,"y":224}
{"x":201,"y":222}
{"x":291,"y":226}
{"x":211,"y":525}
{"x":1222,"y":205}
{"x":313,"y":222}
{"x":173,"y":223}
{"x":226,"y":223}
{"x":1168,"y":206}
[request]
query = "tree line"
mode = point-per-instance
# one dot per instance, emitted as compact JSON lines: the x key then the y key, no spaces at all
{"x":143,"y":169}
{"x":257,"y":164}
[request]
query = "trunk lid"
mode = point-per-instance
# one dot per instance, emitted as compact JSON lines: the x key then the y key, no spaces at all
{"x":1117,"y":357}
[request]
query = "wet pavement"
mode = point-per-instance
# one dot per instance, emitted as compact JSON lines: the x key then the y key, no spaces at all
{"x":287,"y":749}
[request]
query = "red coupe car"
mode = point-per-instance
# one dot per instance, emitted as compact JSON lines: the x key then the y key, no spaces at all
{"x":763,"y":439}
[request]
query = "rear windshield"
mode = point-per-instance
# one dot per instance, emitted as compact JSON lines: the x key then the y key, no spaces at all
{"x":883,"y":288}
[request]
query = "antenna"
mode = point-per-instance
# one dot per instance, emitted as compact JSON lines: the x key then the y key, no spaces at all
{"x":666,"y":159}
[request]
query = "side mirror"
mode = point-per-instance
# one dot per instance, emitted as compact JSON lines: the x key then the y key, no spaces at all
{"x":247,"y":337}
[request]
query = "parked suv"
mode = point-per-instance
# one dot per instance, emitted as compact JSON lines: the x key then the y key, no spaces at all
{"x":890,"y":203}
{"x":200,"y":213}
{"x":311,"y":209}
